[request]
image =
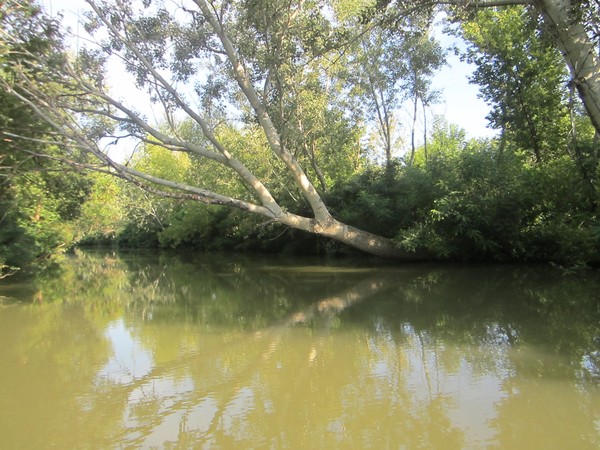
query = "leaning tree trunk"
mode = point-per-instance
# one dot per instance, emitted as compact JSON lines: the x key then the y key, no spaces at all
{"x":579,"y":51}
{"x":323,"y":223}
{"x":362,"y":240}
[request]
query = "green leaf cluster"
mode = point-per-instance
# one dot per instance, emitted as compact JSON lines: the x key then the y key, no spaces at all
{"x":39,"y":200}
{"x":522,"y":76}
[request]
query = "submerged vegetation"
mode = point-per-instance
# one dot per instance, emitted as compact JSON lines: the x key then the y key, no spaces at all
{"x":295,"y":141}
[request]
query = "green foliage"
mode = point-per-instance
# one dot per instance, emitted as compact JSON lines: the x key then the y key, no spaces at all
{"x":103,"y":213}
{"x":384,"y":200}
{"x":495,"y":206}
{"x":197,"y":226}
{"x":522,"y":76}
{"x":471,"y":201}
{"x":479,"y":208}
{"x":323,"y":78}
{"x":39,"y":200}
{"x":37,"y":210}
{"x":389,"y":67}
{"x":464,"y":200}
{"x":206,"y":228}
{"x":324,"y":140}
{"x":446,"y":139}
{"x":563,"y":226}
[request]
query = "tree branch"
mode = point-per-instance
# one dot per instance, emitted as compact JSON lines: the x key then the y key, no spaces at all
{"x":258,"y":187}
{"x":243,"y":79}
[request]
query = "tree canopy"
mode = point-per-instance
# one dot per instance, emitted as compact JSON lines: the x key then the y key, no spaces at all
{"x":38,"y":199}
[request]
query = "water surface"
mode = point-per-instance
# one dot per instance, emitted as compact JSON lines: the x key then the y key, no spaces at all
{"x":153,"y":351}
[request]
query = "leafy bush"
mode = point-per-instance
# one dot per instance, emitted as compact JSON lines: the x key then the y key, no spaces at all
{"x":383,"y":200}
{"x":477,"y":203}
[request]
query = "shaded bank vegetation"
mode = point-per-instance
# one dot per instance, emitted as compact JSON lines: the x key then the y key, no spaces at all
{"x":468,"y":201}
{"x":295,"y":141}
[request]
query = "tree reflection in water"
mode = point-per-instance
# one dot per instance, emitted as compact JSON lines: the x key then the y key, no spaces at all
{"x":154,"y":350}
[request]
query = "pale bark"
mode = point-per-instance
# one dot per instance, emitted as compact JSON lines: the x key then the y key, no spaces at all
{"x":570,"y":38}
{"x":61,"y":114}
{"x":354,"y":237}
{"x":579,"y":52}
{"x":258,"y":187}
{"x":323,"y":223}
{"x":243,"y":79}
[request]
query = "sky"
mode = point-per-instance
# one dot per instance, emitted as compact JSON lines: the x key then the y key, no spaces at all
{"x":459,"y":104}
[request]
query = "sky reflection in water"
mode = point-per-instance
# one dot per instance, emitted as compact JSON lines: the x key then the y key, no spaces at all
{"x":148,"y":351}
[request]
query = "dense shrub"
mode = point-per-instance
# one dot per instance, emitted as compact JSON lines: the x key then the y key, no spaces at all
{"x":383,"y":200}
{"x":478,"y":204}
{"x":463,"y":201}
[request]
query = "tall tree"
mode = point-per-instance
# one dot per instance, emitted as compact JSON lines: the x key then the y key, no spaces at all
{"x":573,"y":26}
{"x":424,"y":58}
{"x":392,"y":65}
{"x":521,"y":76}
{"x":257,"y":52}
{"x":374,"y":75}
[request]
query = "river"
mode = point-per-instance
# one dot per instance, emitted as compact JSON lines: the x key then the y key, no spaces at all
{"x":148,"y":350}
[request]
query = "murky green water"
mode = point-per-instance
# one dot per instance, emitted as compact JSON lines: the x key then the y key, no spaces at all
{"x":134,"y":351}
